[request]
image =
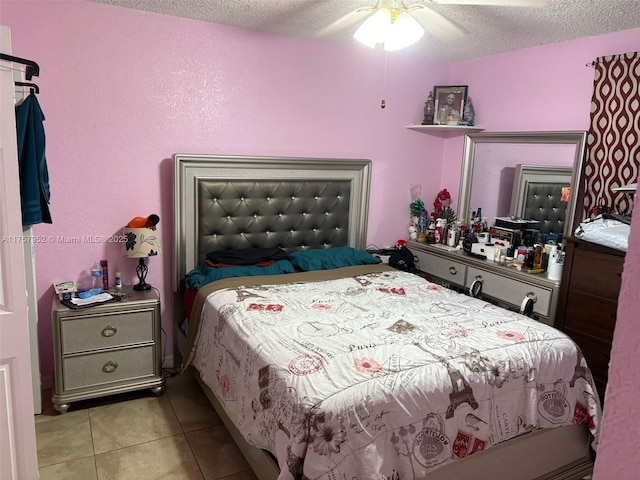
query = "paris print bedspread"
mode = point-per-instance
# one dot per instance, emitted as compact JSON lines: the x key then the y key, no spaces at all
{"x":384,"y":375}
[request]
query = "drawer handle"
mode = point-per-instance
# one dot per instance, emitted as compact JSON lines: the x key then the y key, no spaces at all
{"x":527,"y":304}
{"x":110,"y":367}
{"x":109,"y":331}
{"x":476,"y":287}
{"x":453,"y":271}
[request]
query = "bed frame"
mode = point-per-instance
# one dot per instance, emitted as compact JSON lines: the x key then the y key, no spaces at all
{"x":240,"y":202}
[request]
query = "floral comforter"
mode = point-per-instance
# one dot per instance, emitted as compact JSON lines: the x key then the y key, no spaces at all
{"x":382,"y":374}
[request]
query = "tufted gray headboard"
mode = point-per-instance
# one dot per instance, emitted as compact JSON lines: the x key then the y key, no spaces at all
{"x":223,"y":202}
{"x":537,"y":195}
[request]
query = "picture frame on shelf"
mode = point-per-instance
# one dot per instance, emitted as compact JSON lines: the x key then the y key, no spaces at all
{"x":449,"y":104}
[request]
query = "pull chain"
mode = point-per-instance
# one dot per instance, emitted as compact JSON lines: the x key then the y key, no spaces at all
{"x":383,"y":103}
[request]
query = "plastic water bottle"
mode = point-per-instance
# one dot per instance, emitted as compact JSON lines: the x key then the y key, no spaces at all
{"x":96,"y":276}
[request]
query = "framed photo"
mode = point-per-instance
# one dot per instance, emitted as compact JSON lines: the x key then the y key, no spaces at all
{"x":450,"y":102}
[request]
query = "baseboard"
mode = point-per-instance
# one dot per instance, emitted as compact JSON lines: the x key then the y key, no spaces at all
{"x":168,"y":362}
{"x":46,"y":383}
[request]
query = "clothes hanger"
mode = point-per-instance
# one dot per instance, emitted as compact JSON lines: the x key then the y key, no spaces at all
{"x":34,"y":88}
{"x":32,"y":68}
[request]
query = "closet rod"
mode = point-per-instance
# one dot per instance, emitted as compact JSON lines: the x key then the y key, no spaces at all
{"x":32,"y":70}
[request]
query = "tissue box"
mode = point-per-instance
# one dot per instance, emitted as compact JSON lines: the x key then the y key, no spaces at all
{"x":486,"y":249}
{"x":508,"y":222}
{"x":65,"y":290}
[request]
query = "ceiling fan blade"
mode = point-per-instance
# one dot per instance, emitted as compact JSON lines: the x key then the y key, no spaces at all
{"x":437,"y":24}
{"x":497,"y":3}
{"x":346,"y":21}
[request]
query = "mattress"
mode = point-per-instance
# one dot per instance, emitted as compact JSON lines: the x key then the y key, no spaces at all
{"x":379,"y":373}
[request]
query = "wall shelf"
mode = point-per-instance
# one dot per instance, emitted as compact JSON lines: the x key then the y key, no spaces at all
{"x":445,"y":130}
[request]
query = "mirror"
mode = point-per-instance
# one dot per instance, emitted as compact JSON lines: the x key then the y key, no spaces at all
{"x":541,"y":193}
{"x":489,"y":164}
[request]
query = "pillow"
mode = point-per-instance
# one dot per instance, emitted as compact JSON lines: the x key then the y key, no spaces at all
{"x":328,"y":258}
{"x":246,"y":256}
{"x":203,"y":274}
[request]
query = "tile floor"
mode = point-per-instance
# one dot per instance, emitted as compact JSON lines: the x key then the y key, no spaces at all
{"x":138,"y":436}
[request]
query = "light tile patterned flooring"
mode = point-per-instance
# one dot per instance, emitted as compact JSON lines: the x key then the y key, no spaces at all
{"x":138,"y":436}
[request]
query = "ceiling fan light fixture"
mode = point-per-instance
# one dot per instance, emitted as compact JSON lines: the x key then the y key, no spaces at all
{"x":403,"y":32}
{"x":374,"y":29}
{"x":392,"y":29}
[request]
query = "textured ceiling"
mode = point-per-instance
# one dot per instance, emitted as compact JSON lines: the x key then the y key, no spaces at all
{"x":487,"y":30}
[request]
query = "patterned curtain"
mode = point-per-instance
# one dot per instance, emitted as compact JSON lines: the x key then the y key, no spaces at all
{"x":613,"y":142}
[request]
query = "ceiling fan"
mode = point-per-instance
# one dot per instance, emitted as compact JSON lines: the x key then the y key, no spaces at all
{"x":396,"y":24}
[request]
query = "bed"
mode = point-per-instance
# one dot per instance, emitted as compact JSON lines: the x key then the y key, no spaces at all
{"x":362,"y":371}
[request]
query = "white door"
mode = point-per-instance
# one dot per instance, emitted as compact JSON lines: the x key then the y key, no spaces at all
{"x":18,"y":453}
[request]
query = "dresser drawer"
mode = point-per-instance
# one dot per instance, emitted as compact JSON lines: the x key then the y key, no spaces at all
{"x":596,"y":352}
{"x":592,"y":315}
{"x":510,"y":291}
{"x":446,"y":269}
{"x":597,"y":273}
{"x":106,"y":367}
{"x":107,"y":330}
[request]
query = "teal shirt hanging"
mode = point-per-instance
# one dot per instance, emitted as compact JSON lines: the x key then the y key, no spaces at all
{"x":34,"y":176}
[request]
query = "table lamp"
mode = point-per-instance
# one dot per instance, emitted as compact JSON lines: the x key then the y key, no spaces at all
{"x":141,"y":243}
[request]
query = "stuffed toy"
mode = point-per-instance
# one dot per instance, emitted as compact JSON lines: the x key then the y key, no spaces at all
{"x":402,"y":258}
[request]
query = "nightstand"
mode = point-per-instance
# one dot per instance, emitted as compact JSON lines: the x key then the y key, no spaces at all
{"x":107,"y":349}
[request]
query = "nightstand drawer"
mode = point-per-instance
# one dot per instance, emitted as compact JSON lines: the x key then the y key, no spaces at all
{"x":107,"y":330}
{"x":510,"y":291}
{"x":112,"y":366}
{"x":443,"y":268}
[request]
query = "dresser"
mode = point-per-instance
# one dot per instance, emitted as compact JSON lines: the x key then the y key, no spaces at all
{"x":501,"y":285}
{"x":107,"y":349}
{"x":589,"y":301}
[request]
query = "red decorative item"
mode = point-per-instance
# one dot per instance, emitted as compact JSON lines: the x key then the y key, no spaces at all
{"x":443,"y":200}
{"x":401,"y":243}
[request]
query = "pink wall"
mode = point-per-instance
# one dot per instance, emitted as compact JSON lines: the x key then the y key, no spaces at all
{"x":543,"y":88}
{"x":122,"y":91}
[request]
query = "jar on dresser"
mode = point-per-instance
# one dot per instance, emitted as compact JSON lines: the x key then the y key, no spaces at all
{"x":107,"y":349}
